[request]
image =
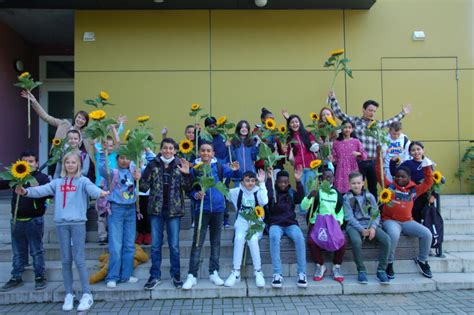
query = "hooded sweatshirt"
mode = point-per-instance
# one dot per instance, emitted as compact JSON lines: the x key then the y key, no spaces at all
{"x":248,"y":196}
{"x":70,"y":198}
{"x":282,"y":212}
{"x":123,"y":184}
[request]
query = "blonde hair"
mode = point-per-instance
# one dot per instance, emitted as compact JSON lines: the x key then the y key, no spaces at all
{"x":79,"y":164}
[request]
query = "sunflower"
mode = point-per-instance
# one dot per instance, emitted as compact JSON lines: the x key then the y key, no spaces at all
{"x":315,"y":164}
{"x":142,"y":119}
{"x":259,"y":211}
{"x":185,"y":146}
{"x":97,"y":114}
{"x":198,"y":165}
{"x":270,"y":124}
{"x":385,"y":196}
{"x":371,"y":124}
{"x":56,"y":141}
{"x":104,"y":95}
{"x":221,"y":120}
{"x":195,"y":107}
{"x":331,"y":121}
{"x":24,"y":75}
{"x":313,"y":116}
{"x":337,"y":52}
{"x":127,"y":134}
{"x":282,"y":129}
{"x":20,"y":169}
{"x":437,"y":177}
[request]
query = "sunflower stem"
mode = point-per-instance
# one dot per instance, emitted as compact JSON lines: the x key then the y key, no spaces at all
{"x":29,"y":118}
{"x":381,"y":169}
{"x":336,"y":71}
{"x":230,"y":154}
{"x":137,"y":187}
{"x":107,"y":167}
{"x":15,"y":213}
{"x":199,"y":222}
{"x":197,"y":142}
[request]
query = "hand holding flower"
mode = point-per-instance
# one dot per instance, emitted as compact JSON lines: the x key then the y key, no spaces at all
{"x":261,"y":176}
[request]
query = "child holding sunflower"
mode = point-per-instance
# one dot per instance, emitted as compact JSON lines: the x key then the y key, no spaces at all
{"x":74,"y":142}
{"x":71,"y":193}
{"x":247,"y":197}
{"x":244,"y":150}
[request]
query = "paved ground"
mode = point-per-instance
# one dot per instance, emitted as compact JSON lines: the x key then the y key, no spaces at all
{"x":437,"y":302}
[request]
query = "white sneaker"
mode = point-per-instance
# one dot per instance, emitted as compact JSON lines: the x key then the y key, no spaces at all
{"x":259,"y":279}
{"x":214,"y":278}
{"x":85,"y":303}
{"x":233,"y":278}
{"x":68,"y":302}
{"x":111,"y":284}
{"x":190,"y":282}
{"x":132,"y":280}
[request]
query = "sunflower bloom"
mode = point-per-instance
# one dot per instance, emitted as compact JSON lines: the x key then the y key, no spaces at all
{"x":371,"y":124}
{"x":195,"y":107}
{"x":314,"y":116}
{"x":97,"y":114}
{"x":185,"y":146}
{"x":270,"y":124}
{"x":198,"y":165}
{"x":259,"y":211}
{"x":337,"y":52}
{"x":104,"y":95}
{"x":315,"y":164}
{"x":437,"y":177}
{"x":385,"y":196}
{"x":282,"y":129}
{"x":127,"y":134}
{"x":331,"y":121}
{"x":24,"y":75}
{"x":142,"y":119}
{"x":56,"y":141}
{"x":20,"y":169}
{"x":221,"y":120}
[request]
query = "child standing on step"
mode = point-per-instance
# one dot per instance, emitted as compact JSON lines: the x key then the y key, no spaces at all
{"x":245,"y":198}
{"x":358,"y":205}
{"x":71,"y":193}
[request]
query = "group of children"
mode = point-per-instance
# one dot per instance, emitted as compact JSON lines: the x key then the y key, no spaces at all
{"x":166,"y":179}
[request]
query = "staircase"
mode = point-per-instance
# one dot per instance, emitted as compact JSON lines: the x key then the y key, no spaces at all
{"x":455,"y":271}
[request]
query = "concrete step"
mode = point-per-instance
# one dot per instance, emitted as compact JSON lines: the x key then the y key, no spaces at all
{"x":457,"y":213}
{"x":458,"y":243}
{"x":459,"y":227}
{"x":246,"y":288}
{"x":456,"y":201}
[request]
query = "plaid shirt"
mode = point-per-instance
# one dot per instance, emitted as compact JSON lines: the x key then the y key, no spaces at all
{"x":360,"y":126}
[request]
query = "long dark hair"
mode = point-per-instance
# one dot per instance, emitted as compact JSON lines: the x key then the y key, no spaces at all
{"x":248,"y":141}
{"x":264,"y":113}
{"x":83,"y":114}
{"x":340,"y":137}
{"x":304,"y":134}
{"x":418,"y":143}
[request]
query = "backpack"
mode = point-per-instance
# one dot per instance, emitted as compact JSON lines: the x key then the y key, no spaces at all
{"x":102,"y":204}
{"x":327,"y":234}
{"x":309,"y":214}
{"x":432,"y":219}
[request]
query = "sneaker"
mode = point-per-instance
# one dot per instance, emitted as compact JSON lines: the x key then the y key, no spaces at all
{"x":68,"y":302}
{"x":389,"y":271}
{"x":132,"y":280}
{"x":424,"y":268}
{"x":259,"y":279}
{"x":85,"y":303}
{"x":302,"y":282}
{"x":111,"y":284}
{"x":214,"y":278}
{"x":319,"y":272}
{"x":40,"y":283}
{"x":139,"y":239}
{"x":176,"y":280}
{"x":337,"y":273}
{"x":362,"y":277}
{"x":103,"y":242}
{"x":277,"y":281}
{"x":233,"y":278}
{"x":152,"y":283}
{"x":192,"y":225}
{"x":147,"y":239}
{"x":12,"y":284}
{"x":226,"y":224}
{"x":190,"y":282}
{"x":382,"y":276}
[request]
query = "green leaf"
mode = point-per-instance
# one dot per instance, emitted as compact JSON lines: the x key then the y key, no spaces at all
{"x":222,"y":189}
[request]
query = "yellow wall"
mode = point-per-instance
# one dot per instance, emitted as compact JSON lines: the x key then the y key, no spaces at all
{"x":235,"y":62}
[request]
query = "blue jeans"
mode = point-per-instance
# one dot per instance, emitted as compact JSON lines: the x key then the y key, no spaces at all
{"x":307,"y":174}
{"x":28,"y":235}
{"x":295,"y":234}
{"x":122,"y":226}
{"x":173,"y":226}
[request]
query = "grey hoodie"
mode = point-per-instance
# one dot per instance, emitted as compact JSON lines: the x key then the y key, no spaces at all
{"x":70,"y":198}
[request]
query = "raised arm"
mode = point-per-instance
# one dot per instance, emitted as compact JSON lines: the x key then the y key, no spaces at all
{"x":405,"y":110}
{"x":50,"y":120}
{"x":332,"y":101}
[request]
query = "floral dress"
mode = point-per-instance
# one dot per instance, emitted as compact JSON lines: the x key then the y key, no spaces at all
{"x":346,"y":162}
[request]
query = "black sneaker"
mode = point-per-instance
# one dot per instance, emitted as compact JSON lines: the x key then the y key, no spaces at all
{"x":152,"y":283}
{"x":40,"y":283}
{"x":277,"y":281}
{"x":390,"y":272}
{"x":12,"y":284}
{"x":178,"y":284}
{"x":424,"y":268}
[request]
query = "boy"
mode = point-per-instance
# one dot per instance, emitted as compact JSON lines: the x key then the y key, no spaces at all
{"x":29,"y":228}
{"x":166,"y":177}
{"x":245,"y":198}
{"x":213,"y":214}
{"x":358,"y":205}
{"x":74,"y":142}
{"x":281,"y":218}
{"x":397,"y":147}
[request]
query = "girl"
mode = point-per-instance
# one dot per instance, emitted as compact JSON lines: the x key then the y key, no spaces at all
{"x":346,"y":151}
{"x":190,"y":134}
{"x":323,"y":114}
{"x":74,"y":140}
{"x":70,"y":199}
{"x":244,"y":150}
{"x":301,"y":148}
